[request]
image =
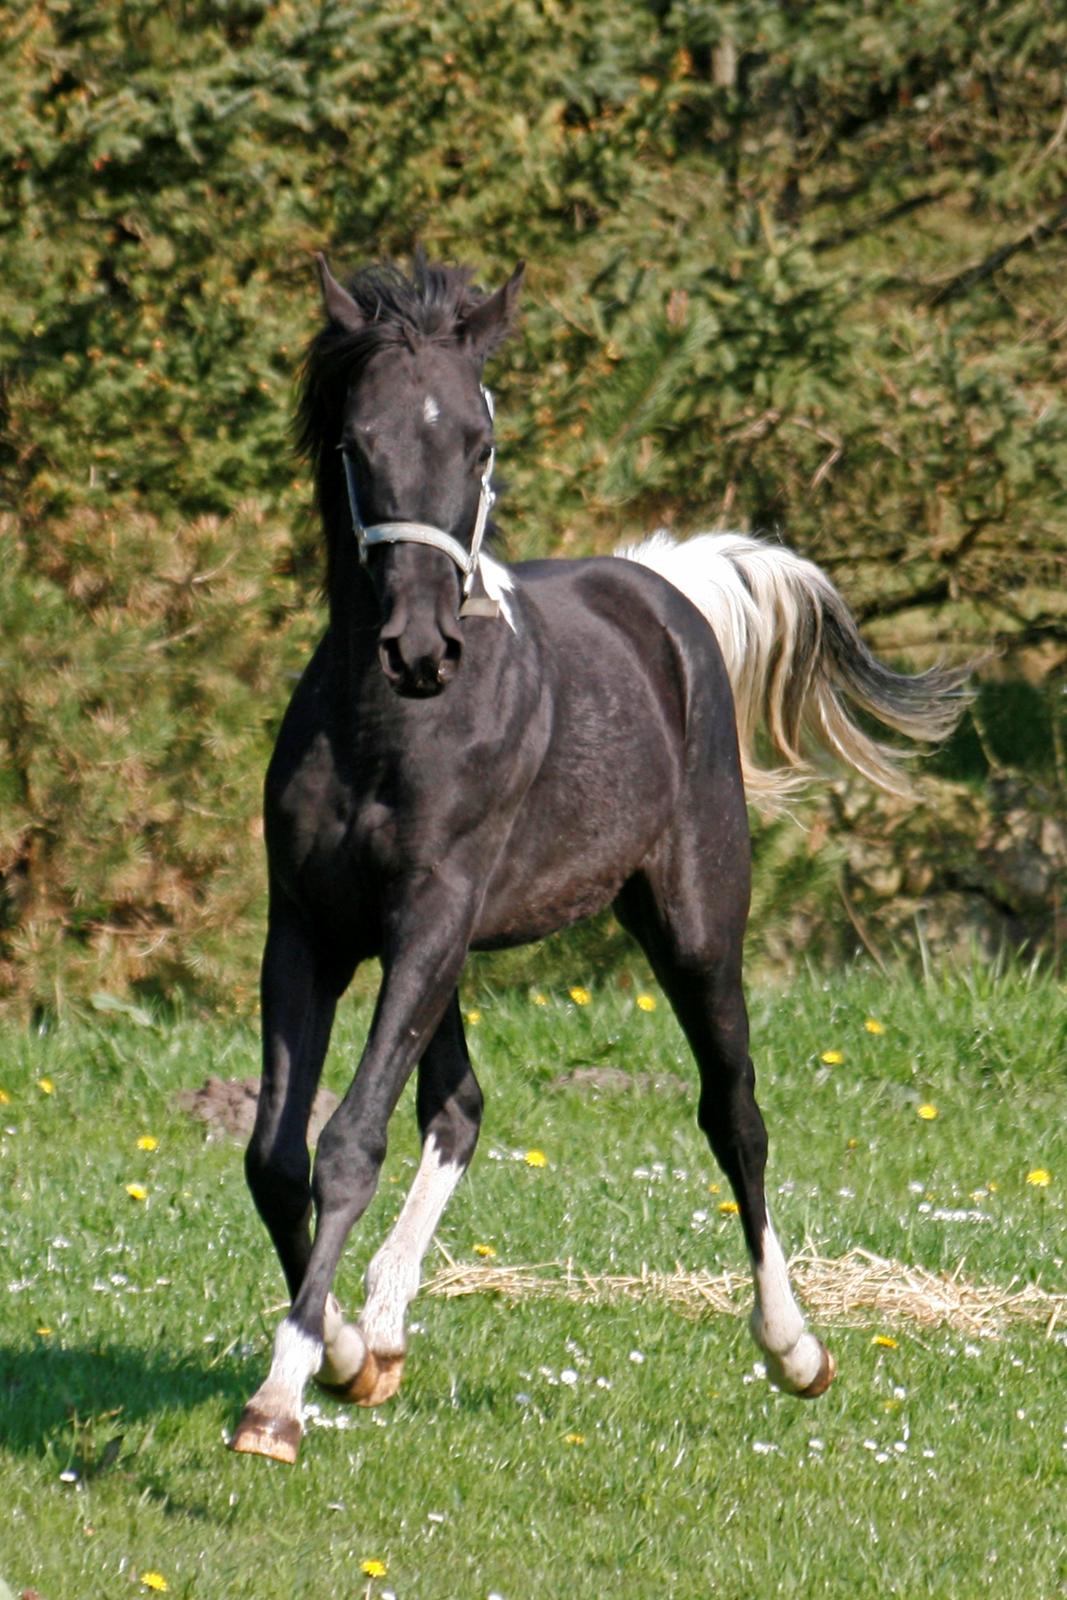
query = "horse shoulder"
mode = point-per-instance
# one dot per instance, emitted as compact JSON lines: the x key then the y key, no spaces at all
{"x":307,"y":798}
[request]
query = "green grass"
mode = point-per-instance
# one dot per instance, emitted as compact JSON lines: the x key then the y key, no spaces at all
{"x":936,"y":1468}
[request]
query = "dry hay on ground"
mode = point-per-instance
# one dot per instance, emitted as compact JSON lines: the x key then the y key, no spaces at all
{"x":854,"y":1290}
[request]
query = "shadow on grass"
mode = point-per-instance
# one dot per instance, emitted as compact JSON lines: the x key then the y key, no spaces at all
{"x":49,"y":1391}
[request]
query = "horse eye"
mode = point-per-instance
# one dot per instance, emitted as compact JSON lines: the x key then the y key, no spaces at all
{"x":358,"y":439}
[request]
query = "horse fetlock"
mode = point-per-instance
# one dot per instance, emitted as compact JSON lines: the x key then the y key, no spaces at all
{"x":271,"y":1424}
{"x":351,"y":1370}
{"x":806,"y":1369}
{"x":376,"y":1381}
{"x":344,"y":1355}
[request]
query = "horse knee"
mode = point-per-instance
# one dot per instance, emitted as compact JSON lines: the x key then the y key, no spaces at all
{"x":279,"y":1182}
{"x":346,"y":1169}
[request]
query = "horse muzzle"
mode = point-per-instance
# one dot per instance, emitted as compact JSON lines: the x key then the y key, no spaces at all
{"x":419,"y":663}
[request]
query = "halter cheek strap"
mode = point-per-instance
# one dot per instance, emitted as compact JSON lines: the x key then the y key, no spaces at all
{"x":425,"y":532}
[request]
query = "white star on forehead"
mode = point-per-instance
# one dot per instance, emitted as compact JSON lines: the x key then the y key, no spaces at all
{"x":430,"y":409}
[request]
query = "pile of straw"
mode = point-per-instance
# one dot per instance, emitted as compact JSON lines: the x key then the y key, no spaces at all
{"x":855,"y":1290}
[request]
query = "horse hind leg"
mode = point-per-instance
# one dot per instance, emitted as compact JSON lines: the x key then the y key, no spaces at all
{"x":712,"y":1012}
{"x":364,"y":1364}
{"x":699,"y":968}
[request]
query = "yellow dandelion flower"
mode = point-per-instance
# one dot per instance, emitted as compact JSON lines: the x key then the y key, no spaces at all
{"x":1039,"y":1178}
{"x":5,"y":1098}
{"x":46,"y":1086}
{"x":852,"y":1144}
{"x":886,"y":1342}
{"x":45,"y":1333}
{"x":540,"y":999}
{"x":574,"y":1438}
{"x":926,"y":1111}
{"x":831,"y":1058}
{"x":148,"y":1141}
{"x":484,"y":1250}
{"x":728,"y":1208}
{"x":155,"y":1580}
{"x":474,"y":1017}
{"x":535,"y":1158}
{"x":137,"y":1191}
{"x":992,"y":1185}
{"x":874,"y":1026}
{"x":580,"y":996}
{"x":373,"y":1569}
{"x":714,"y":1188}
{"x":645,"y":1002}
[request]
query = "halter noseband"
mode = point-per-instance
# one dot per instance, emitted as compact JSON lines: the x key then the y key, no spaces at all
{"x":425,"y":532}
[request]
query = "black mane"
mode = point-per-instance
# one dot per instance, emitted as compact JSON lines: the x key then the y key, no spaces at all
{"x":429,"y":307}
{"x":432,"y":304}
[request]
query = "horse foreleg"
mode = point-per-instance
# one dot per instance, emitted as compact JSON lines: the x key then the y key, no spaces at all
{"x":298,"y":1004}
{"x":365,"y":1365}
{"x":424,"y":955}
{"x":297,"y":1007}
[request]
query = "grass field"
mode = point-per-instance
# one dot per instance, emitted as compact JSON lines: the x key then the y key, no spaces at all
{"x":587,"y":1444}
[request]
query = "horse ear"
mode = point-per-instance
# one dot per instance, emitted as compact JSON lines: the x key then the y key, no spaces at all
{"x":486,"y":325}
{"x":337,"y":302}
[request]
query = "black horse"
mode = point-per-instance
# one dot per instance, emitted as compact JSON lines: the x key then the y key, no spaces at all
{"x":477,"y":756}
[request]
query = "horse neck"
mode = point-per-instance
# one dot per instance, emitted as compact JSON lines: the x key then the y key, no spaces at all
{"x":353,"y":608}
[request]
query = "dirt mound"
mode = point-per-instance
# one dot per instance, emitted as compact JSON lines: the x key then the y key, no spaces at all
{"x":229,"y":1105}
{"x":613,"y":1080}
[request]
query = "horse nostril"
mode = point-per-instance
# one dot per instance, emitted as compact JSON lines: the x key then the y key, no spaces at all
{"x":447,"y":666}
{"x":391,"y":660}
{"x":429,"y":675}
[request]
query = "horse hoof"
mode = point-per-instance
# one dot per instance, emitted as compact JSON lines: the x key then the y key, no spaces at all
{"x":260,"y":1435}
{"x":377,"y":1380}
{"x":822,"y":1380}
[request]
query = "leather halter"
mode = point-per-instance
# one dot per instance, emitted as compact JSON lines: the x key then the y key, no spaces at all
{"x":402,"y":532}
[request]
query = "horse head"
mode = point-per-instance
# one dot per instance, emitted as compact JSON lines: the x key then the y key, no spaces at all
{"x":416,"y":443}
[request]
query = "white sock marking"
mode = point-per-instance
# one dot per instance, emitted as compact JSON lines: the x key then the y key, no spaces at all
{"x":393,"y":1275}
{"x":777,"y":1323}
{"x":296,"y":1357}
{"x":780,"y":1316}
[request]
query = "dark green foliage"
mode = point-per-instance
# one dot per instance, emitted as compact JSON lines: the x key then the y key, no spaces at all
{"x":140,"y":668}
{"x":794,"y":268}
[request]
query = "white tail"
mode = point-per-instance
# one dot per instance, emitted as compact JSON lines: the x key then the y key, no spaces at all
{"x":792,"y":650}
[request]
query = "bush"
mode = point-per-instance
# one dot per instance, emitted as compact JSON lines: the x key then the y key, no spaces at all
{"x":795,"y":269}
